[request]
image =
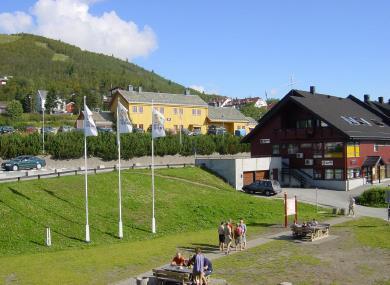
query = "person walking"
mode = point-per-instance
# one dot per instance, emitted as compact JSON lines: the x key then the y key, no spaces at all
{"x":198,"y":269}
{"x":228,"y":237}
{"x":221,"y":236}
{"x":243,"y":237}
{"x":238,"y":236}
{"x":351,"y":207}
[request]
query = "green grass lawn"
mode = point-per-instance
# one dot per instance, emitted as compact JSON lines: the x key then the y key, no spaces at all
{"x":59,"y":57}
{"x":285,"y":260}
{"x":187,"y":214}
{"x":4,"y":39}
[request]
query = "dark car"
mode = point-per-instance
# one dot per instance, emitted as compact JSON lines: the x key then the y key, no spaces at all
{"x":138,"y":130}
{"x":23,"y":162}
{"x":65,"y":129}
{"x":6,"y":129}
{"x":48,"y":130}
{"x":266,"y":187}
{"x":213,"y":130}
{"x":105,"y":130}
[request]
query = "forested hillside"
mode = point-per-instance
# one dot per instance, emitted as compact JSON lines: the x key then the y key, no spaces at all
{"x":36,"y":62}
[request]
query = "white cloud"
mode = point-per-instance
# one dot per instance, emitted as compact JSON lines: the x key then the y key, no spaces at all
{"x":198,"y":88}
{"x":15,"y":22}
{"x":71,"y":22}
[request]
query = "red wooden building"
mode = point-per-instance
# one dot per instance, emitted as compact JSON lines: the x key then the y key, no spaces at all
{"x":325,"y":141}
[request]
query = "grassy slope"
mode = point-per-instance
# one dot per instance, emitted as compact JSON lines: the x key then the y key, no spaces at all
{"x":181,"y":207}
{"x":50,"y":62}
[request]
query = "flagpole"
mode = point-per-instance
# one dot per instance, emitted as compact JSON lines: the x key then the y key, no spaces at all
{"x":120,"y":235}
{"x":153,"y":212}
{"x":87,"y":238}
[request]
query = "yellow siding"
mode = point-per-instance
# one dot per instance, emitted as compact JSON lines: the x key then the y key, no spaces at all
{"x":141,"y":114}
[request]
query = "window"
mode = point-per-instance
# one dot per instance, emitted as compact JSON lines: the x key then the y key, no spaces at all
{"x":302,"y":124}
{"x":353,"y":149}
{"x":181,"y":111}
{"x":175,"y":127}
{"x":141,"y":126}
{"x":141,"y":109}
{"x":353,"y":173}
{"x":162,"y":110}
{"x":306,"y":145}
{"x":317,"y":150}
{"x":193,"y":112}
{"x":338,"y":174}
{"x":376,"y":147}
{"x":376,"y":122}
{"x":175,"y":111}
{"x":134,"y":109}
{"x":333,"y":149}
{"x":275,"y":149}
{"x":329,"y":174}
{"x":292,"y":149}
{"x":198,"y":112}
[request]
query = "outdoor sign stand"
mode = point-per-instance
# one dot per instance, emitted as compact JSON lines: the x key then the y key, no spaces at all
{"x":48,"y":237}
{"x":290,"y":208}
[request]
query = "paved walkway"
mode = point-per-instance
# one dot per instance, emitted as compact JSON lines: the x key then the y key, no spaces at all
{"x":337,"y":199}
{"x":257,"y":241}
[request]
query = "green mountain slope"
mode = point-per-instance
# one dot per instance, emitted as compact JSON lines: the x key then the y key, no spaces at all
{"x":37,"y":62}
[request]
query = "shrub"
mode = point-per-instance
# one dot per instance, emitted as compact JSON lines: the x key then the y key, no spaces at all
{"x":373,"y":197}
{"x":14,"y":110}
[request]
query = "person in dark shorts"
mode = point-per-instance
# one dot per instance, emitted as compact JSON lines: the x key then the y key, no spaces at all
{"x":221,"y":236}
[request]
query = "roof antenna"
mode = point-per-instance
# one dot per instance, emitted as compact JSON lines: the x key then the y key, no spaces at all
{"x":292,"y":81}
{"x":266,"y":95}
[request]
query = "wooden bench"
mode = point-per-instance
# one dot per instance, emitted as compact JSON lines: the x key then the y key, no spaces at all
{"x":165,"y":276}
{"x":310,"y":233}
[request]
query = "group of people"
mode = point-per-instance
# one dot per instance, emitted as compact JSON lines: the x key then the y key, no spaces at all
{"x":229,"y":232}
{"x":312,"y":223}
{"x":201,"y":266}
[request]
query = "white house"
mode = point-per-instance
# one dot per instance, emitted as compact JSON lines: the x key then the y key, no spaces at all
{"x":40,"y":100}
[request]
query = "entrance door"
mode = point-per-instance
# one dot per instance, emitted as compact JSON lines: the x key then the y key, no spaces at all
{"x":249,"y":177}
{"x":275,"y":174}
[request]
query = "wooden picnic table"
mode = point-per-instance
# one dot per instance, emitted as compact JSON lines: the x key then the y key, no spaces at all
{"x":173,"y":273}
{"x":310,"y":232}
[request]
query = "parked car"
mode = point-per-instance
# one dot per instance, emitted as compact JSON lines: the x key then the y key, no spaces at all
{"x":65,"y":129}
{"x":138,"y":130}
{"x":23,"y":162}
{"x":240,"y":133}
{"x":105,"y":130}
{"x":48,"y":130}
{"x":6,"y":129}
{"x":266,"y":187}
{"x":213,"y":130}
{"x":30,"y":129}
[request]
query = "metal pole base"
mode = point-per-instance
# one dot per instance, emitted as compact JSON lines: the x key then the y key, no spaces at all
{"x":120,"y":234}
{"x":153,"y":225}
{"x":87,"y":238}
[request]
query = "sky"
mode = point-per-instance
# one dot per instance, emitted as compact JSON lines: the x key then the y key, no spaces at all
{"x":232,"y":48}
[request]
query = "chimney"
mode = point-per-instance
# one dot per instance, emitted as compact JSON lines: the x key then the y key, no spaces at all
{"x":313,"y":90}
{"x":139,"y":89}
{"x":130,"y":87}
{"x":187,"y":91}
{"x":380,"y":99}
{"x":366,"y":98}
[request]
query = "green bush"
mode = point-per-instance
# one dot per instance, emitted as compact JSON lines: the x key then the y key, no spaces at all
{"x":71,"y":145}
{"x":373,"y":197}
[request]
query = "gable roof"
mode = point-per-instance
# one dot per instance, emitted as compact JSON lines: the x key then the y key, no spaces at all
{"x":162,"y":98}
{"x":251,"y":121}
{"x":225,"y":114}
{"x":331,"y":110}
{"x":381,"y":109}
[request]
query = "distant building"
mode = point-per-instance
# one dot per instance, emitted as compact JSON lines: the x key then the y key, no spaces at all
{"x":238,"y":103}
{"x":4,"y":80}
{"x":325,"y":141}
{"x":229,"y":118}
{"x":101,"y":119}
{"x":40,"y":100}
{"x":61,"y":106}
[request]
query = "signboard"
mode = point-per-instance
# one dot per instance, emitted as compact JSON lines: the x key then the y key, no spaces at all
{"x":327,"y":162}
{"x":263,"y":141}
{"x":290,"y":206}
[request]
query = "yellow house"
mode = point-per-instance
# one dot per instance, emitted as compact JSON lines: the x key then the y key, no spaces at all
{"x":180,"y":110}
{"x":230,"y":118}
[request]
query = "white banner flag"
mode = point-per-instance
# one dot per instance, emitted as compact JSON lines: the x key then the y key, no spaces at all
{"x":158,"y":124}
{"x":124,"y":124}
{"x":290,"y":206}
{"x":89,"y":124}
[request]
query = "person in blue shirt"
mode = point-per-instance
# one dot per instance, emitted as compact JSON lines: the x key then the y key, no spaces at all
{"x":208,"y":267}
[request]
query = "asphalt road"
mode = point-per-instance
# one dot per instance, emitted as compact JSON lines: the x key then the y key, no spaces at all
{"x":336,"y":199}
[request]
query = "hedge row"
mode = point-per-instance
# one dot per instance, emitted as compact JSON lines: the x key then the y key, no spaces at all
{"x":373,"y":197}
{"x":71,"y":145}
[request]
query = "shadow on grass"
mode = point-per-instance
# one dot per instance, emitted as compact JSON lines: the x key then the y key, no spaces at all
{"x":260,"y":225}
{"x":205,"y":248}
{"x":37,"y":243}
{"x":16,"y":192}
